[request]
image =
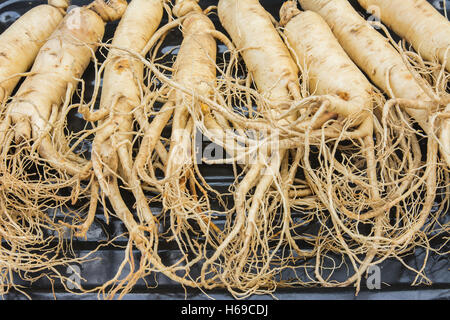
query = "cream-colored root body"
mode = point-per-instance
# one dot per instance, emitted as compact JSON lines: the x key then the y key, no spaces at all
{"x":371,"y":52}
{"x":327,"y":67}
{"x":386,"y":68}
{"x":275,"y":75}
{"x":195,"y":70}
{"x":271,"y":79}
{"x":33,"y":117}
{"x":20,"y":43}
{"x":122,"y":85}
{"x":330,"y":71}
{"x":111,"y":155}
{"x":60,"y":62}
{"x":379,"y":60}
{"x":418,"y":22}
{"x":121,"y":97}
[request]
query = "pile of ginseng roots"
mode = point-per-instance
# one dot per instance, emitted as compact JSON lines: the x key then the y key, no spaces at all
{"x":318,"y":187}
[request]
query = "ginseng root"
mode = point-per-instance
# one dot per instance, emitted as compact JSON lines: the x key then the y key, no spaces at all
{"x":386,"y":68}
{"x":20,"y":43}
{"x":37,"y":165}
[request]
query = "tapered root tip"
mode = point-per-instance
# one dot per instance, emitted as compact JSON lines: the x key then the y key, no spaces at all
{"x":288,"y":11}
{"x":110,"y":11}
{"x":183,"y":7}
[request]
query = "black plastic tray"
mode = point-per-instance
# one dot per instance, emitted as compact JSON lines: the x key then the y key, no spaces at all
{"x":396,"y":279}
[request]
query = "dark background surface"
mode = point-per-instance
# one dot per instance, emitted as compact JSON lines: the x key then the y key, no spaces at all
{"x":396,"y":279}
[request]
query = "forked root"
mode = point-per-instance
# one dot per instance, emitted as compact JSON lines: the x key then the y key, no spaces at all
{"x":397,"y":186}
